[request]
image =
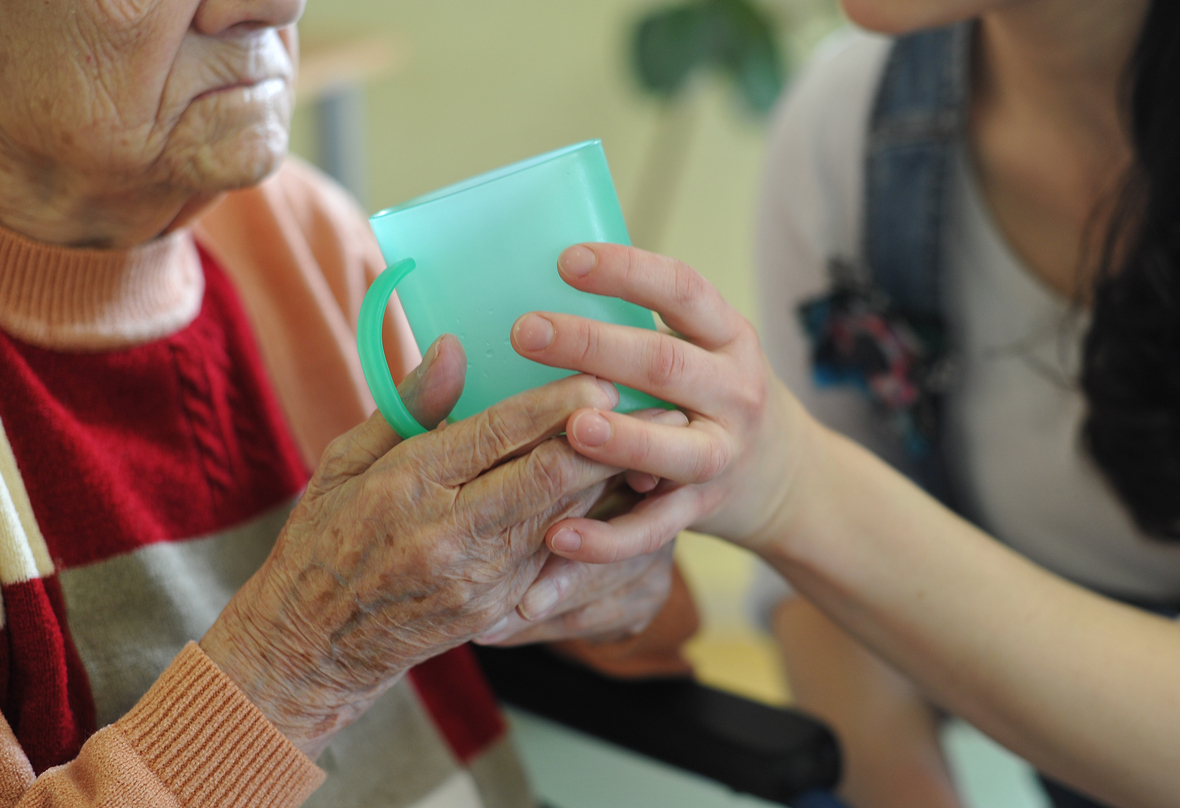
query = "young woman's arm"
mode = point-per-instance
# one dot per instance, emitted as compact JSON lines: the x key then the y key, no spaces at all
{"x":809,"y":215}
{"x":888,"y":730}
{"x":1081,"y":686}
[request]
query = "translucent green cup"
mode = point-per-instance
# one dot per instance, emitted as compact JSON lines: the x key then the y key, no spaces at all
{"x":471,"y":258}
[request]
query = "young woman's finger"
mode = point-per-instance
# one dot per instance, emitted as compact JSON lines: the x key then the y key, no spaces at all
{"x":657,"y":415}
{"x":694,"y":454}
{"x":686,"y":301}
{"x":640,"y":481}
{"x":649,"y":526}
{"x":668,"y":368}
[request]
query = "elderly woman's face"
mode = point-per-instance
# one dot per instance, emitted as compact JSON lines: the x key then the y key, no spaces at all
{"x":190,"y":95}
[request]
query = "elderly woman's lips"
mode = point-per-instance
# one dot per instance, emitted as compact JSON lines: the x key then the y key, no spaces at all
{"x":241,"y":85}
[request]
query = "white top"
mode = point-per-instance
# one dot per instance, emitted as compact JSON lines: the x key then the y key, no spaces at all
{"x":1013,"y":419}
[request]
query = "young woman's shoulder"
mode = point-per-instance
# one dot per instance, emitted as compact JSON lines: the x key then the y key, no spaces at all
{"x":814,"y":170}
{"x":837,"y":84}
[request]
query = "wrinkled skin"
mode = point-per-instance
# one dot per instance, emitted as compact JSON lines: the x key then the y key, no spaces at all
{"x":118,"y":117}
{"x":573,"y":599}
{"x":598,"y":602}
{"x":401,"y":550}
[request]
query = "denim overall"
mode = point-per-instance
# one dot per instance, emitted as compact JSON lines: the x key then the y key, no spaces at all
{"x":918,"y":119}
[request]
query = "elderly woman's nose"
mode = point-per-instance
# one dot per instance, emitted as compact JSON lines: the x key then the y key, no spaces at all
{"x":216,"y":17}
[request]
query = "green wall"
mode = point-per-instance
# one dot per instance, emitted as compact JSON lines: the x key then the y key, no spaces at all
{"x":485,"y":83}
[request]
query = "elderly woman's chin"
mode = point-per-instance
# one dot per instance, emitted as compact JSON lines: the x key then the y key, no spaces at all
{"x":233,"y":138}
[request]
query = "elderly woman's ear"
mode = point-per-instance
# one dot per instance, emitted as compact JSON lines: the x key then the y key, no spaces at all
{"x":119,"y":117}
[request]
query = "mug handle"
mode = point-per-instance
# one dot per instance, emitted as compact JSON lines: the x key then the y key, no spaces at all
{"x":372,"y":351}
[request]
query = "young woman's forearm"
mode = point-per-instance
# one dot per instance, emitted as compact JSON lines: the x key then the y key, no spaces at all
{"x":1086,"y":689}
{"x":888,"y":731}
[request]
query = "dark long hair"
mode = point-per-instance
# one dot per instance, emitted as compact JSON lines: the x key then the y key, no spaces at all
{"x":1131,"y":365}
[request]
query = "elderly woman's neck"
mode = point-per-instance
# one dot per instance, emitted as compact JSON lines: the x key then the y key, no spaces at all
{"x":44,"y":206}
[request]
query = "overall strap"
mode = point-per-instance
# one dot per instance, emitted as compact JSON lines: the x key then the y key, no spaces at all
{"x":880,"y":327}
{"x":920,"y":112}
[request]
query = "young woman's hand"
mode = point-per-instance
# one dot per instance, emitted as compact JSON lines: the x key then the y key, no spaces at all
{"x":730,"y":470}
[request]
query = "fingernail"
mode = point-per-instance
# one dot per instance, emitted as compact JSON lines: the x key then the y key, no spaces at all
{"x":591,"y":429}
{"x":644,"y":483}
{"x":540,"y":599}
{"x":577,"y":261}
{"x":492,"y":634}
{"x":533,"y":332}
{"x":612,"y":392}
{"x":566,"y":541}
{"x":431,"y":353}
{"x":671,"y":418}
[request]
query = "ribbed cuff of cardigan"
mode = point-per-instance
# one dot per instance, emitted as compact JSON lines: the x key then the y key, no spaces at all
{"x":211,"y":746}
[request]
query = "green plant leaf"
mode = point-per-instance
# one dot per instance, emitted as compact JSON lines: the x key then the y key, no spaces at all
{"x":728,"y":35}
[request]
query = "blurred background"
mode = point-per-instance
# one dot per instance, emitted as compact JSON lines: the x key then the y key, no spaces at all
{"x":399,"y":97}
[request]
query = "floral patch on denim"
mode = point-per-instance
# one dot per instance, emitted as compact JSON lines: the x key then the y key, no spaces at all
{"x":895,"y":358}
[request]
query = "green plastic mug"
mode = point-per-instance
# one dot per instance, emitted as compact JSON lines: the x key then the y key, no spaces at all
{"x":471,"y":258}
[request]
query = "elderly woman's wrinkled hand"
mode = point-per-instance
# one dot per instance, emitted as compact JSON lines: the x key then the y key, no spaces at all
{"x":599,"y":602}
{"x":401,"y":550}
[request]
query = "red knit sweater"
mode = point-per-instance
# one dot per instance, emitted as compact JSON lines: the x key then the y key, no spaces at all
{"x":146,"y":467}
{"x":175,"y":439}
